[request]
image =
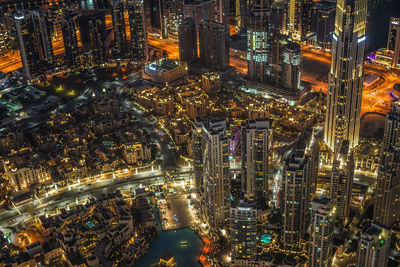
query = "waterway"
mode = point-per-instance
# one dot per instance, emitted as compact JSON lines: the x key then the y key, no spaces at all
{"x":170,"y":241}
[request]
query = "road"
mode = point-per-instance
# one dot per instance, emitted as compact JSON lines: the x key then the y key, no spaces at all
{"x":65,"y":196}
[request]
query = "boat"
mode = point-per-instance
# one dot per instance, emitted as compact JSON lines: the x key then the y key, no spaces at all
{"x":184,"y":242}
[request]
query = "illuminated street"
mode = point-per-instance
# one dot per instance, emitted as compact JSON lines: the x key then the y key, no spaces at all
{"x":122,"y":145}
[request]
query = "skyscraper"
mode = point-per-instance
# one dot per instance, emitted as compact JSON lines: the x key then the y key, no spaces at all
{"x":291,"y":61}
{"x":255,"y":149}
{"x":199,"y":11}
{"x":393,"y":42}
{"x":171,"y":17}
{"x":342,"y":176}
{"x":373,"y":246}
{"x":214,"y":45}
{"x":295,"y":199}
{"x":223,"y":11}
{"x":92,"y":26}
{"x":346,"y":75}
{"x":197,"y":133}
{"x":120,"y":42}
{"x":187,"y":37}
{"x":325,"y":23}
{"x":322,"y":225}
{"x":244,"y":231}
{"x":387,"y":207}
{"x":68,"y":27}
{"x":34,"y":42}
{"x":257,"y":43}
{"x":155,"y":11}
{"x":299,"y":18}
{"x":211,"y":150}
{"x":138,"y":30}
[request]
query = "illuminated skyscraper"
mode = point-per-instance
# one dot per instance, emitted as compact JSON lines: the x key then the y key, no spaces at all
{"x":197,"y":132}
{"x":373,"y":246}
{"x":34,"y":42}
{"x":342,"y":176}
{"x":387,"y":207}
{"x":120,"y":42}
{"x":295,"y":199}
{"x":291,"y":72}
{"x":210,"y":154}
{"x":299,"y":18}
{"x":68,"y":27}
{"x":257,"y":43}
{"x":138,"y":30}
{"x":244,"y":232}
{"x":320,"y":250}
{"x":255,"y":149}
{"x":298,"y":190}
{"x":214,"y":45}
{"x":187,"y":37}
{"x":393,"y":43}
{"x":346,"y":75}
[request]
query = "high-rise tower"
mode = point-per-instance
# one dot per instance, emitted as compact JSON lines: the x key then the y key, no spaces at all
{"x":120,"y":43}
{"x":255,"y":149}
{"x":244,"y":231}
{"x":299,"y":18}
{"x":187,"y":37}
{"x":298,"y":189}
{"x":211,"y":163}
{"x":320,"y":250}
{"x":373,"y":246}
{"x":68,"y":26}
{"x":346,"y":75}
{"x":257,"y":42}
{"x":342,"y":177}
{"x":34,"y":42}
{"x":92,"y":26}
{"x":295,"y":199}
{"x":138,"y":30}
{"x":291,"y":61}
{"x":393,"y":42}
{"x":214,"y":45}
{"x":387,"y":207}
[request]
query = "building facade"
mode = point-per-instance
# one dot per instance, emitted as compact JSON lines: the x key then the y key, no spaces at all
{"x":291,"y":66}
{"x":373,"y":247}
{"x":214,"y":45}
{"x":34,"y":42}
{"x":295,"y":200}
{"x":187,"y":38}
{"x":320,"y":251}
{"x":387,"y":208}
{"x":118,"y":20}
{"x":256,"y":143}
{"x":257,"y":44}
{"x":68,"y":26}
{"x":244,"y":231}
{"x":393,"y":43}
{"x":211,"y":155}
{"x":342,"y":177}
{"x":138,"y":31}
{"x":346,"y":75}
